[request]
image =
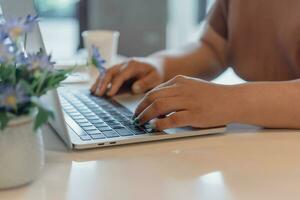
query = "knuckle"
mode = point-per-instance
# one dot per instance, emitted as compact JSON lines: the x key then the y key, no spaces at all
{"x":106,"y":79}
{"x":179,"y":78}
{"x":146,"y":81}
{"x":150,"y":97}
{"x":118,"y":78}
{"x":110,"y":70}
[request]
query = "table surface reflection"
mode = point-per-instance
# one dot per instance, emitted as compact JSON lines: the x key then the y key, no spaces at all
{"x":244,"y":163}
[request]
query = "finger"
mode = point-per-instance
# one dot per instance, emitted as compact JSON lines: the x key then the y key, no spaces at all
{"x":162,"y":106}
{"x":146,"y":83}
{"x":173,"y":85}
{"x":176,"y":80}
{"x":95,"y":85}
{"x":157,"y":93}
{"x":175,"y":120}
{"x":151,"y":81}
{"x":104,"y":82}
{"x":124,"y":75}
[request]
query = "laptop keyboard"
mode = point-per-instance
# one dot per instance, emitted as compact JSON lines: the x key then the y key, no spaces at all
{"x":100,"y":118}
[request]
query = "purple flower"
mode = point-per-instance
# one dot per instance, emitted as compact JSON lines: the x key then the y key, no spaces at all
{"x":3,"y":36}
{"x":15,"y":27}
{"x":6,"y":53}
{"x":37,"y":61}
{"x":12,"y":96}
{"x":98,"y":61}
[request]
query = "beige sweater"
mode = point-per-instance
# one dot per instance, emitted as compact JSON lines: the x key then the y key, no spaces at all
{"x":262,"y":37}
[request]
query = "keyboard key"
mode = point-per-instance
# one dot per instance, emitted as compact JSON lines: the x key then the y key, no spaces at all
{"x":100,"y":113}
{"x":89,"y":128}
{"x":110,"y":134}
{"x":96,"y":121}
{"x":81,"y":133}
{"x":81,"y":108}
{"x":93,"y":107}
{"x":93,"y":132}
{"x":85,"y":112}
{"x":98,"y":109}
{"x":99,"y":124}
{"x":123,"y":132}
{"x":85,"y":137}
{"x":71,"y":110}
{"x":75,"y":114}
{"x":104,"y":128}
{"x":117,"y":126}
{"x":93,"y":118}
{"x":113,"y":123}
{"x":82,"y":121}
{"x":78,"y":117}
{"x":100,"y":136}
{"x":137,"y":131}
{"x":84,"y":124}
{"x":108,"y":118}
{"x":90,"y":114}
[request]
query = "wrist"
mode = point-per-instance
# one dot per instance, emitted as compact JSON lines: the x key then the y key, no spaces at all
{"x":236,"y":103}
{"x":159,"y":62}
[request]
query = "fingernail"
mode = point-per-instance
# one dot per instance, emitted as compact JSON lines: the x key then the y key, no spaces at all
{"x":152,"y":126}
{"x":136,"y":88}
{"x":136,"y":122}
{"x":96,"y":91}
{"x":108,"y":93}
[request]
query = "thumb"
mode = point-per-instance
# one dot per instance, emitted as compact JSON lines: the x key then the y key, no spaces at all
{"x":146,"y":83}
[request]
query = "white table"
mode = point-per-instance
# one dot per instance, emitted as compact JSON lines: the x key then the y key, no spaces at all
{"x":245,"y":163}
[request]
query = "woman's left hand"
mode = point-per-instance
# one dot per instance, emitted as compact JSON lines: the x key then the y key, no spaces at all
{"x":185,"y":101}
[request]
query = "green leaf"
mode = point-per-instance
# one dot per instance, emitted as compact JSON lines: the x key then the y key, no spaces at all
{"x":42,"y":80}
{"x":26,"y":86}
{"x":42,"y":117}
{"x":8,"y":74}
{"x":4,"y":119}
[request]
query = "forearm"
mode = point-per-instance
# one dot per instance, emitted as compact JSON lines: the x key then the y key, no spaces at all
{"x":204,"y":59}
{"x":267,"y":104}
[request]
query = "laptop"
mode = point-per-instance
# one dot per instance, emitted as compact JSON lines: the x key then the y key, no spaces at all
{"x":85,"y":121}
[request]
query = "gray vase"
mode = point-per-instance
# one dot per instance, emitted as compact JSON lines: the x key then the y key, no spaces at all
{"x":21,"y":153}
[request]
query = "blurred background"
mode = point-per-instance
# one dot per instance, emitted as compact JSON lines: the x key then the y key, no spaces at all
{"x":145,"y":26}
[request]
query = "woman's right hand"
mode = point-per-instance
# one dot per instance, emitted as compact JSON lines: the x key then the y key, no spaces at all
{"x":147,"y":75}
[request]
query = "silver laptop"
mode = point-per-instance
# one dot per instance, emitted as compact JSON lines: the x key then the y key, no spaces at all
{"x":84,"y":121}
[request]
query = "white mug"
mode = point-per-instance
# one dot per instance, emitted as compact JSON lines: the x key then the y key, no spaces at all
{"x":106,"y":41}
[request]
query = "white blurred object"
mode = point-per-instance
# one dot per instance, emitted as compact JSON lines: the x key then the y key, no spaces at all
{"x":229,"y":77}
{"x":106,"y":41}
{"x":78,"y":77}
